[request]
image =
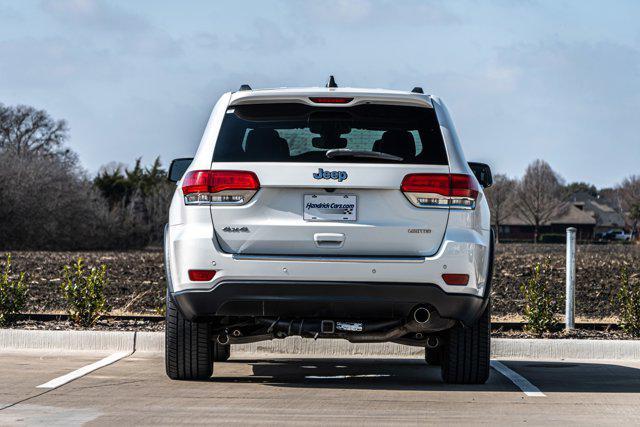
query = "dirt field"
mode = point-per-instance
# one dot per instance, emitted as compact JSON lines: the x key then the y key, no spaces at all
{"x":597,"y":272}
{"x":137,"y":277}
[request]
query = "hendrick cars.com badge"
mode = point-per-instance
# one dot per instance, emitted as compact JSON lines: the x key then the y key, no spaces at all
{"x":320,"y":207}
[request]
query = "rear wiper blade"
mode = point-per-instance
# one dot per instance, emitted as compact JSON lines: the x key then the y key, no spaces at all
{"x":346,"y":152}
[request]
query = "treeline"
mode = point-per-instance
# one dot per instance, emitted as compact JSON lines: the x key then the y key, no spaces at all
{"x":539,"y":195}
{"x":47,"y":201}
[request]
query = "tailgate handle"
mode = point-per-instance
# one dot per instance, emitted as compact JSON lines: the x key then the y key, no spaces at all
{"x":329,"y":240}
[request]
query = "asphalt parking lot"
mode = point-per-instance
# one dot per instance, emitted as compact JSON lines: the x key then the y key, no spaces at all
{"x":275,"y":390}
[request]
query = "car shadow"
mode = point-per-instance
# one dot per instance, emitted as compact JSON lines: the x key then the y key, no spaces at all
{"x":370,"y":374}
{"x":415,"y":374}
{"x":579,"y":377}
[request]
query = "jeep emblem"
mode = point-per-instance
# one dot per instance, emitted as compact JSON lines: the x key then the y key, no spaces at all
{"x":323,"y":174}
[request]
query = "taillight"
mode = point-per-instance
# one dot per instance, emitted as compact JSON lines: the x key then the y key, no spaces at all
{"x":430,"y":190}
{"x":207,"y":187}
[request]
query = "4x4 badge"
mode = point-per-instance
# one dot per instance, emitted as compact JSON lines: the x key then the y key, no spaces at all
{"x":323,"y":174}
{"x":228,"y":229}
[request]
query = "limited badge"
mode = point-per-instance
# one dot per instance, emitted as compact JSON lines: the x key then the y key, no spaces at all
{"x":419,"y":230}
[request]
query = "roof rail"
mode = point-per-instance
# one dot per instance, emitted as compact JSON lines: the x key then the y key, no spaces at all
{"x":417,"y":89}
{"x":332,"y":82}
{"x":245,"y":87}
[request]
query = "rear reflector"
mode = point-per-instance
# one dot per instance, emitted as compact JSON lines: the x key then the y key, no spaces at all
{"x":430,"y":190}
{"x":331,"y":100}
{"x":456,"y":279}
{"x":207,"y":187}
{"x":201,"y":275}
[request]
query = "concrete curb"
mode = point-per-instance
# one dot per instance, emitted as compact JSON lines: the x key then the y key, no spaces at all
{"x":21,"y":339}
{"x":565,"y":349}
{"x":504,"y":348}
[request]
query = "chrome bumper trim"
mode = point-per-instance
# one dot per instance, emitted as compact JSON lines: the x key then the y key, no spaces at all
{"x":310,"y":258}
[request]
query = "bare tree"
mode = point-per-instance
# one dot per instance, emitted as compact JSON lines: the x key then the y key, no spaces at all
{"x":628,"y":195}
{"x":47,"y":204}
{"x":634,"y":217}
{"x":629,"y":192}
{"x":26,"y":130}
{"x":500,"y":198}
{"x":537,"y":195}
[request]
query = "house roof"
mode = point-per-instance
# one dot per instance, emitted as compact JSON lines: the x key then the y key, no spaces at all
{"x":572,"y":215}
{"x":605,"y":214}
{"x":565,"y":213}
{"x":580,"y":209}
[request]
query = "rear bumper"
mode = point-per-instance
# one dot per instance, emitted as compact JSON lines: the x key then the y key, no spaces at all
{"x":463,"y":251}
{"x":329,"y":288}
{"x":330,"y":300}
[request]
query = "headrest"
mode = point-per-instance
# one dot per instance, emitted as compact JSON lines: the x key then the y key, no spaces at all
{"x":265,"y":144}
{"x":398,"y":143}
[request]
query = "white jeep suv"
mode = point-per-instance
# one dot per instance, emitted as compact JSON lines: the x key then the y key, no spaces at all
{"x":329,"y":213}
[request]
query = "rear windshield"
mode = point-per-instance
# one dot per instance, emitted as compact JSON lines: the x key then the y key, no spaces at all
{"x":302,"y":133}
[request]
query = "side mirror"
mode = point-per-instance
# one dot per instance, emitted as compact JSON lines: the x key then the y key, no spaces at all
{"x":482,"y":172}
{"x":178,"y":168}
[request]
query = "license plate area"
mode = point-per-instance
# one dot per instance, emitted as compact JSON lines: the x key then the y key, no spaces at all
{"x":330,"y":207}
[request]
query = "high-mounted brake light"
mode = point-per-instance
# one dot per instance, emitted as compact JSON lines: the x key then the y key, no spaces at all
{"x":330,"y":100}
{"x":429,"y":190}
{"x":207,"y":187}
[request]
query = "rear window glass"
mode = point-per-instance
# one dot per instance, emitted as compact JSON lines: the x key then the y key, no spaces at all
{"x":302,"y":133}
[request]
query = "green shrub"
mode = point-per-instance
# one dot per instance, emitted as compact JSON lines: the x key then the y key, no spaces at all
{"x":13,"y":294}
{"x":161,"y":308}
{"x":628,"y":298}
{"x":84,"y":292}
{"x":539,"y":305}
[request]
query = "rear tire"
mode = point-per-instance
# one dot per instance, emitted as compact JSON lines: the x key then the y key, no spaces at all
{"x":188,"y":346}
{"x":467,"y":351}
{"x":433,"y":356}
{"x":221,"y":353}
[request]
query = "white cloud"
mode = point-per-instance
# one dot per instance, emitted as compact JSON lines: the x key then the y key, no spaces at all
{"x":131,"y":33}
{"x":94,"y":14}
{"x":375,"y":13}
{"x":343,"y":11}
{"x":266,"y":37}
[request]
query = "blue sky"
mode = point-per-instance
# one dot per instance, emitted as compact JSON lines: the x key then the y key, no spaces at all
{"x":558,"y":80}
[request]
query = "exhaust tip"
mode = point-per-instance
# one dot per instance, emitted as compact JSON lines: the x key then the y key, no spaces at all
{"x":223,"y":339}
{"x":421,"y":315}
{"x":433,"y":342}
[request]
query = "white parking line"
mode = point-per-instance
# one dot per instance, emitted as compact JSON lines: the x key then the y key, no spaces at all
{"x":522,"y":383}
{"x":57,"y":382}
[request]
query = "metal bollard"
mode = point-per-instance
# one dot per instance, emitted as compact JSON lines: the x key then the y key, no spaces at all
{"x":570,"y":320}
